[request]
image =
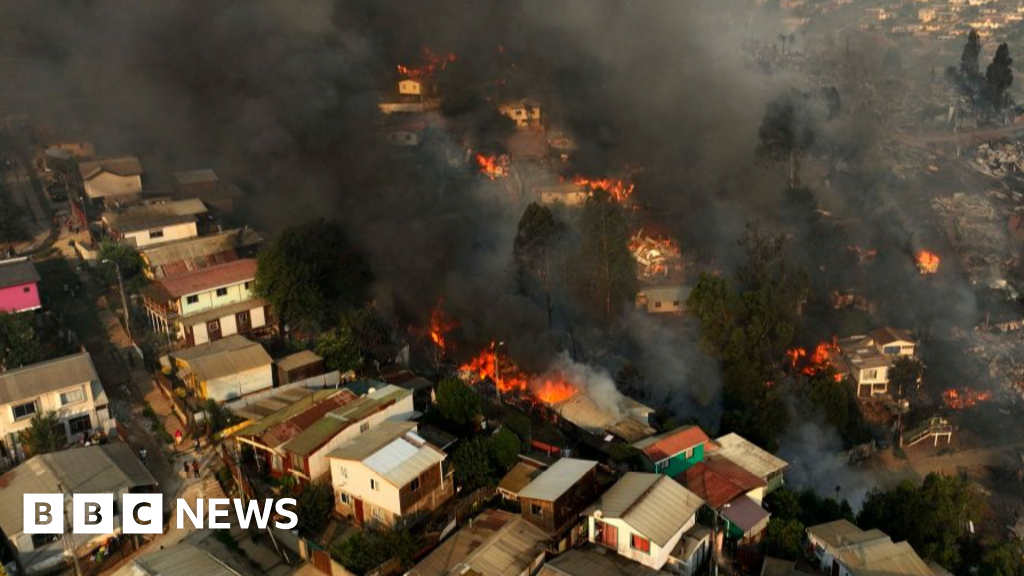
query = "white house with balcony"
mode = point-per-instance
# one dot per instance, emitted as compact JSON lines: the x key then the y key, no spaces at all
{"x":208,"y":304}
{"x":67,"y":386}
{"x":867,"y":358}
{"x":644,"y":517}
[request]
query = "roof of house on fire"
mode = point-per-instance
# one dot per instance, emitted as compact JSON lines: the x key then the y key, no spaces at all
{"x":203,"y":280}
{"x":583,"y":411}
{"x":718,"y":481}
{"x":748,"y":455}
{"x":592,"y":560}
{"x":147,"y":216}
{"x":121,"y":166}
{"x":871,"y":552}
{"x":654,"y":505}
{"x":182,"y":256}
{"x":393,"y":450}
{"x":668,"y":444}
{"x":96,"y":469}
{"x":558,"y":479}
{"x":16,"y":272}
{"x":50,"y":376}
{"x":231,"y":355}
{"x":496,"y":542}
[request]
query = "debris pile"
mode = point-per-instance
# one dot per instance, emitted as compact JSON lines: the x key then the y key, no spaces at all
{"x":1000,"y":159}
{"x":978,"y":232}
{"x":657,"y":258}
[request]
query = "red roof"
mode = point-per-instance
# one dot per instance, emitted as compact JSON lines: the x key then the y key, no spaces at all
{"x":209,"y":278}
{"x":718,"y":481}
{"x":672,"y":443}
{"x":285,"y":431}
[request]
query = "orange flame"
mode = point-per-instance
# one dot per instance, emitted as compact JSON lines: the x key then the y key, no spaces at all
{"x":965,"y":398}
{"x":927,"y":262}
{"x":552,"y":391}
{"x":432,"y":64}
{"x":492,"y":166}
{"x":440,"y":325}
{"x":815,"y":362}
{"x":485,"y":366}
{"x":619,"y":190}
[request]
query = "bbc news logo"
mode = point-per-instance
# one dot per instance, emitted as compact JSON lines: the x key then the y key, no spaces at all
{"x":143,"y":513}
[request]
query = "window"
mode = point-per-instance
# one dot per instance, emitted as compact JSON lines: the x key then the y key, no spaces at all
{"x":364,"y":427}
{"x":414,"y":485}
{"x":688,"y":454}
{"x":343,"y":471}
{"x":374,"y":485}
{"x":248,"y":285}
{"x":191,"y":299}
{"x":675,"y":303}
{"x":378,"y":513}
{"x":221,"y":292}
{"x":657,"y":304}
{"x":891,"y":349}
{"x":26,"y":410}
{"x":297,"y":463}
{"x":344,"y":498}
{"x":154,"y":234}
{"x":640,"y":543}
{"x":80,"y":424}
{"x":26,"y":289}
{"x":213,"y":326}
{"x":537,"y":510}
{"x":71,"y":396}
{"x":276,"y":463}
{"x":869,"y":374}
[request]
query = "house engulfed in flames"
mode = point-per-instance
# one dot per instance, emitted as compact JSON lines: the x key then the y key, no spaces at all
{"x":417,"y":90}
{"x":660,"y":274}
{"x":927,"y":262}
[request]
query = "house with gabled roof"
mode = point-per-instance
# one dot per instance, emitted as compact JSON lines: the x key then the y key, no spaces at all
{"x":752,"y":458}
{"x":155,"y":222}
{"x":112,"y":179}
{"x":643,"y":517}
{"x":843,"y":549}
{"x":555,"y":498}
{"x":731,"y":493}
{"x":866,"y":359}
{"x":673,"y":452}
{"x":208,"y":304}
{"x":296,"y":439}
{"x":182,"y":256}
{"x":389,"y":474}
{"x":19,"y":286}
{"x":225,"y":369}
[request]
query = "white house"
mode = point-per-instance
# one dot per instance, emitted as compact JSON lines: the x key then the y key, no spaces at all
{"x":68,"y":386}
{"x":149,"y":224}
{"x":107,"y":469}
{"x":387,"y":474}
{"x":867,"y":358}
{"x":225,"y":369}
{"x":843,"y":549}
{"x":208,"y":304}
{"x":643,"y":517}
{"x":112,"y":179}
{"x":570,"y":195}
{"x":524,"y":113}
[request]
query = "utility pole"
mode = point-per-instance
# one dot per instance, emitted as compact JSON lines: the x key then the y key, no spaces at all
{"x":124,"y":300}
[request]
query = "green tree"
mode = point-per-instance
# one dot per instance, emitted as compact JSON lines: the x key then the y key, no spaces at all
{"x":999,"y":78}
{"x":368,"y":549}
{"x":837,"y":402}
{"x":373,"y":336}
{"x":932,"y":517}
{"x":45,"y":433}
{"x":126,"y":258}
{"x":607,"y":272}
{"x":18,"y":341}
{"x":905,"y":375}
{"x":339,"y":349}
{"x":472,"y":462}
{"x":1002,"y":559}
{"x":314,"y":507}
{"x":456,"y":402}
{"x":310,"y":273}
{"x":782,"y":539}
{"x":784,"y":504}
{"x":519,"y":424}
{"x":786,"y":132}
{"x":504,"y":448}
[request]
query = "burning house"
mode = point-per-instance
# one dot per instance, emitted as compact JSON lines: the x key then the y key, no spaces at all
{"x":417,"y":87}
{"x":568,"y":194}
{"x":866,"y":359}
{"x":525,"y":113}
{"x":660,"y":274}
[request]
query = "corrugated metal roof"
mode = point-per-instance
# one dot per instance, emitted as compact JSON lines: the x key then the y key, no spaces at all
{"x":749,"y":456}
{"x":226,"y":274}
{"x":884,"y":558}
{"x":17,"y":271}
{"x":653,"y":504}
{"x":672,"y":443}
{"x":154,"y":215}
{"x":392,"y":450}
{"x":746,"y":514}
{"x":520,"y":477}
{"x":122,"y":166}
{"x":301,"y":416}
{"x":557,"y":479}
{"x":497,"y":542}
{"x":840,"y":533}
{"x":90,"y":469}
{"x":595,"y":561}
{"x":224,"y":357}
{"x":31,"y":381}
{"x":181,"y":256}
{"x":337,"y":420}
{"x":298,"y":360}
{"x":182,"y":559}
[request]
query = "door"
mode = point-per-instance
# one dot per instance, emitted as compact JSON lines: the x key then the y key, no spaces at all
{"x":244,"y":321}
{"x":359,"y":511}
{"x":213,"y":330}
{"x":835,"y":568}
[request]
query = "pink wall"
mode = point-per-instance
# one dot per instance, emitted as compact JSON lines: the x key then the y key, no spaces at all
{"x":16,"y":299}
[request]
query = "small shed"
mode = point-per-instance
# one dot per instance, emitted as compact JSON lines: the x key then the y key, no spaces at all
{"x":299,"y":366}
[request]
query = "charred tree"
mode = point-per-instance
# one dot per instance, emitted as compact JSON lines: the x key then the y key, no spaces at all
{"x":607,"y":271}
{"x":533,"y":252}
{"x":786,"y":133}
{"x":999,"y":78}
